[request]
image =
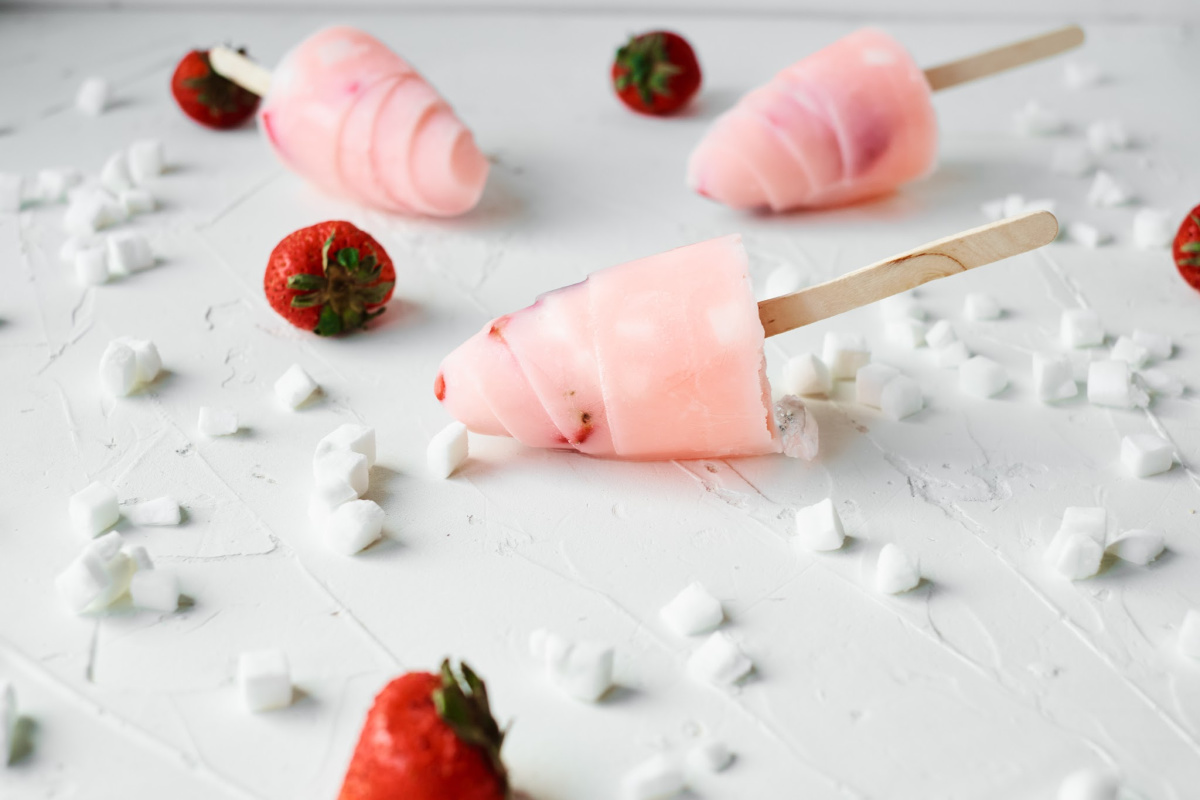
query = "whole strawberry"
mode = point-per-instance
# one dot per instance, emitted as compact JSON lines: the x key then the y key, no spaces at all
{"x":656,"y":73}
{"x":1187,"y":248}
{"x":429,"y":737}
{"x":207,"y":97}
{"x":329,"y":278}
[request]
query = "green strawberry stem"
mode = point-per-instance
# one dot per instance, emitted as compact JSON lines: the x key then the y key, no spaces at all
{"x":645,"y":66}
{"x":462,"y":703}
{"x":217,"y":92}
{"x":347,"y":286}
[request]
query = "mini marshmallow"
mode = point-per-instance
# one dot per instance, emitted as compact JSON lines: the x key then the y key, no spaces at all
{"x":1080,"y":327}
{"x":1139,"y":546}
{"x":157,"y":512}
{"x":869,"y":382}
{"x":353,"y":526}
{"x":145,"y":353}
{"x":844,"y":354}
{"x":656,"y":778}
{"x":1106,"y":192}
{"x":82,"y":582}
{"x":1145,"y":454}
{"x":907,"y":333}
{"x":692,"y":611}
{"x":1189,"y":635}
{"x":106,"y":547}
{"x":341,"y":476}
{"x":993,"y":210}
{"x":1109,"y":383}
{"x":145,"y":160}
{"x":1106,"y":135}
{"x":1086,"y":235}
{"x":1013,"y":204}
{"x":74,"y":245}
{"x":10,"y":192}
{"x":350,"y":436}
{"x":1041,"y":204}
{"x":128,"y":252}
{"x":719,"y":661}
{"x":1089,"y":784}
{"x":982,"y":377}
{"x":93,"y":509}
{"x":1127,"y":350}
{"x":1156,"y":344}
{"x":806,"y":375}
{"x":1091,"y":521}
{"x":582,"y":670}
{"x":819,"y":528}
{"x":8,"y":722}
{"x":1053,"y":378}
{"x":118,"y":369}
{"x":1161,"y":382}
{"x":53,"y":183}
{"x":217,"y":421}
{"x":141,"y":559}
{"x":1034,"y":120}
{"x":91,"y":211}
{"x":1152,"y":229}
{"x":264,"y":680}
{"x":952,"y":355}
{"x":979,"y":306}
{"x":155,"y":590}
{"x":294,"y":387}
{"x":782,"y":280}
{"x":712,"y":755}
{"x":895,"y":571}
{"x":1078,"y":556}
{"x":900,"y":307}
{"x":798,"y":430}
{"x":114,"y":175}
{"x":91,"y":266}
{"x":92,"y":97}
{"x":1073,"y":160}
{"x":447,"y":450}
{"x":1082,"y":74}
{"x":136,"y":201}
{"x":940,"y":334}
{"x":901,"y":398}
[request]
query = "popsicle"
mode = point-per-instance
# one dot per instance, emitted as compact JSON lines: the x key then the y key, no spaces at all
{"x":662,"y":358}
{"x":357,"y":120}
{"x":851,"y":121}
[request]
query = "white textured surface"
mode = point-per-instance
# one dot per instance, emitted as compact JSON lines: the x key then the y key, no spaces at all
{"x":993,"y":679}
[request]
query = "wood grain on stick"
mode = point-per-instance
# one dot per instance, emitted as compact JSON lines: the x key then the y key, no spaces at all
{"x":236,"y":67}
{"x":981,"y":65}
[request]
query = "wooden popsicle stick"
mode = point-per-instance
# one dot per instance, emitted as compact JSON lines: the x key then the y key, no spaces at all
{"x":241,"y":70}
{"x":940,"y":259}
{"x":1012,"y":55}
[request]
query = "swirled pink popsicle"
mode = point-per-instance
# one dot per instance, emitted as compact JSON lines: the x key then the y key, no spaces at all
{"x":662,"y":358}
{"x":354,"y":118}
{"x":851,"y":121}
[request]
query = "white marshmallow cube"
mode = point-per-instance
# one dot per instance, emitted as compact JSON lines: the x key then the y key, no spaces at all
{"x":114,"y":175}
{"x":806,"y":375}
{"x":1077,"y":556}
{"x":1145,"y":454}
{"x":118,"y":369}
{"x":1089,"y":784}
{"x":1073,"y":160}
{"x":145,"y":356}
{"x":896,"y":571}
{"x":264,"y":680}
{"x":92,"y":97}
{"x":940,"y":334}
{"x":1139,"y":546}
{"x":906,"y":333}
{"x":154,"y":590}
{"x":1189,"y":635}
{"x":91,"y":266}
{"x":11,"y":187}
{"x":217,"y":421}
{"x":952,"y":355}
{"x":1109,"y":383}
{"x":350,"y":436}
{"x":657,"y":778}
{"x":93,"y":509}
{"x":1106,"y":192}
{"x":1034,"y":120}
{"x":1157,"y":345}
{"x":128,"y":252}
{"x":844,"y":354}
{"x":82,"y":582}
{"x":901,"y":307}
{"x":1053,"y":377}
{"x":294,"y":387}
{"x":157,"y":512}
{"x":982,"y":377}
{"x":90,"y":211}
{"x":711,"y":755}
{"x":980,"y":306}
{"x":136,"y":201}
{"x":869,"y":382}
{"x":353,"y":526}
{"x":1080,"y":327}
{"x":1091,"y":521}
{"x":1086,"y":235}
{"x":141,"y":559}
{"x":145,"y":160}
{"x":692,"y":611}
{"x":8,"y":722}
{"x":782,"y":280}
{"x":1161,"y":382}
{"x":719,"y":661}
{"x":582,"y":670}
{"x":1152,"y":229}
{"x":1106,"y":135}
{"x":1127,"y":350}
{"x":447,"y":450}
{"x":819,"y":527}
{"x":1082,"y":74}
{"x":901,"y":398}
{"x":106,"y":547}
{"x":993,"y":210}
{"x":53,"y":183}
{"x":73,"y":245}
{"x":1013,"y":205}
{"x":1040,"y":204}
{"x":341,"y":476}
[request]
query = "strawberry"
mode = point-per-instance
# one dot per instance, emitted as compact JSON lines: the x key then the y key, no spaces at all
{"x":656,"y":73}
{"x":429,"y":737}
{"x":329,"y":278}
{"x":1187,"y":248}
{"x":207,"y":97}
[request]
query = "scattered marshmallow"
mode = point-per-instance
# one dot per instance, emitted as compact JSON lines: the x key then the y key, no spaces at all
{"x":157,"y":512}
{"x":819,"y":528}
{"x":82,"y":583}
{"x":11,"y":187}
{"x":1152,"y":229}
{"x":1109,"y":383}
{"x":145,"y":160}
{"x":901,"y":307}
{"x":353,"y":526}
{"x":1078,"y":546}
{"x":341,"y":476}
{"x":1156,"y":344}
{"x":656,"y":778}
{"x":582,"y":670}
{"x":1107,"y":192}
{"x":1082,"y":233}
{"x":711,"y":755}
{"x":1082,"y":74}
{"x":128,"y":252}
{"x":447,"y":450}
{"x":980,"y":306}
{"x":114,"y":175}
{"x":154,"y":590}
{"x":1106,"y":135}
{"x":1145,"y":454}
{"x":844,"y":354}
{"x":869,"y":382}
{"x":92,"y":97}
{"x":982,"y":377}
{"x":54,"y":182}
{"x":90,"y":211}
{"x":1140,"y":546}
{"x":146,"y":357}
{"x":73,"y":245}
{"x":1127,"y":350}
{"x":907,"y":333}
{"x":1034,"y":120}
{"x":1089,"y":784}
{"x":952,"y":355}
{"x":806,"y":375}
{"x":940,"y":334}
{"x":217,"y":421}
{"x":118,"y":369}
{"x":1073,"y":160}
{"x":719,"y":661}
{"x":895,"y":571}
{"x":1189,"y":635}
{"x":798,"y":430}
{"x":1012,"y":205}
{"x":692,"y":611}
{"x":1080,"y":327}
{"x":93,"y":509}
{"x":1161,"y":382}
{"x":1041,"y":204}
{"x":901,"y":398}
{"x":294,"y":387}
{"x":141,"y":559}
{"x":1053,"y":378}
{"x":264,"y":680}
{"x":8,"y":722}
{"x":350,"y":436}
{"x":136,"y":201}
{"x":782,"y":280}
{"x":993,"y":210}
{"x":91,"y":266}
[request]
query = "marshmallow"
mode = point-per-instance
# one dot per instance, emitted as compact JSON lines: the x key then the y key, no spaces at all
{"x":1013,"y":204}
{"x":798,"y":431}
{"x":993,"y":210}
{"x":73,"y":245}
{"x":350,"y":436}
{"x":1189,"y":635}
{"x":156,"y":512}
{"x":1152,"y":229}
{"x":1161,"y":383}
{"x":582,"y":670}
{"x":907,"y":333}
{"x":1053,"y":378}
{"x":114,"y":175}
{"x":141,"y":559}
{"x":782,"y":280}
{"x":217,"y":421}
{"x":844,"y":354}
{"x":869,"y":382}
{"x":981,"y":377}
{"x":1127,"y":350}
{"x":1156,"y":344}
{"x":1106,"y":192}
{"x":128,"y":252}
{"x":118,"y":369}
{"x":1106,"y":135}
{"x":155,"y":590}
{"x":818,"y":527}
{"x":92,"y":97}
{"x":8,"y":722}
{"x":447,"y":450}
{"x":145,"y":160}
{"x":106,"y":547}
{"x":940,"y":334}
{"x":353,"y":526}
{"x":692,"y":611}
{"x":1140,"y":546}
{"x":1077,"y":556}
{"x":1082,"y":74}
{"x":1086,"y":235}
{"x":341,"y":476}
{"x":719,"y":661}
{"x":91,"y":266}
{"x":901,"y":398}
{"x":1109,"y":383}
{"x":1034,"y":120}
{"x":900,"y":307}
{"x":1091,"y":521}
{"x":90,"y":211}
{"x":136,"y":201}
{"x":1041,"y":204}
{"x":53,"y":183}
{"x":656,"y":778}
{"x":895,"y":571}
{"x":1145,"y":454}
{"x":93,"y":509}
{"x":1073,"y":160}
{"x":10,"y":192}
{"x":806,"y":375}
{"x":979,"y":306}
{"x":1088,"y":784}
{"x":264,"y":680}
{"x":294,"y":387}
{"x":146,"y":358}
{"x":82,"y":582}
{"x":709,"y":756}
{"x":952,"y":355}
{"x":1080,"y":327}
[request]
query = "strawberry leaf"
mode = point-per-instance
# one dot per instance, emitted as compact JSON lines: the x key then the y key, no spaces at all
{"x":308,"y":300}
{"x":348,"y":258}
{"x":329,"y":324}
{"x":374,"y":295}
{"x":305,"y":282}
{"x":1191,"y":247}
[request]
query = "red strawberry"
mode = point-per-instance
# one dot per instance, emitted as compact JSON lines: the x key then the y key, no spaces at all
{"x":1187,"y":248}
{"x":429,"y":737}
{"x":209,"y":98}
{"x":329,"y":278}
{"x":656,"y":73}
